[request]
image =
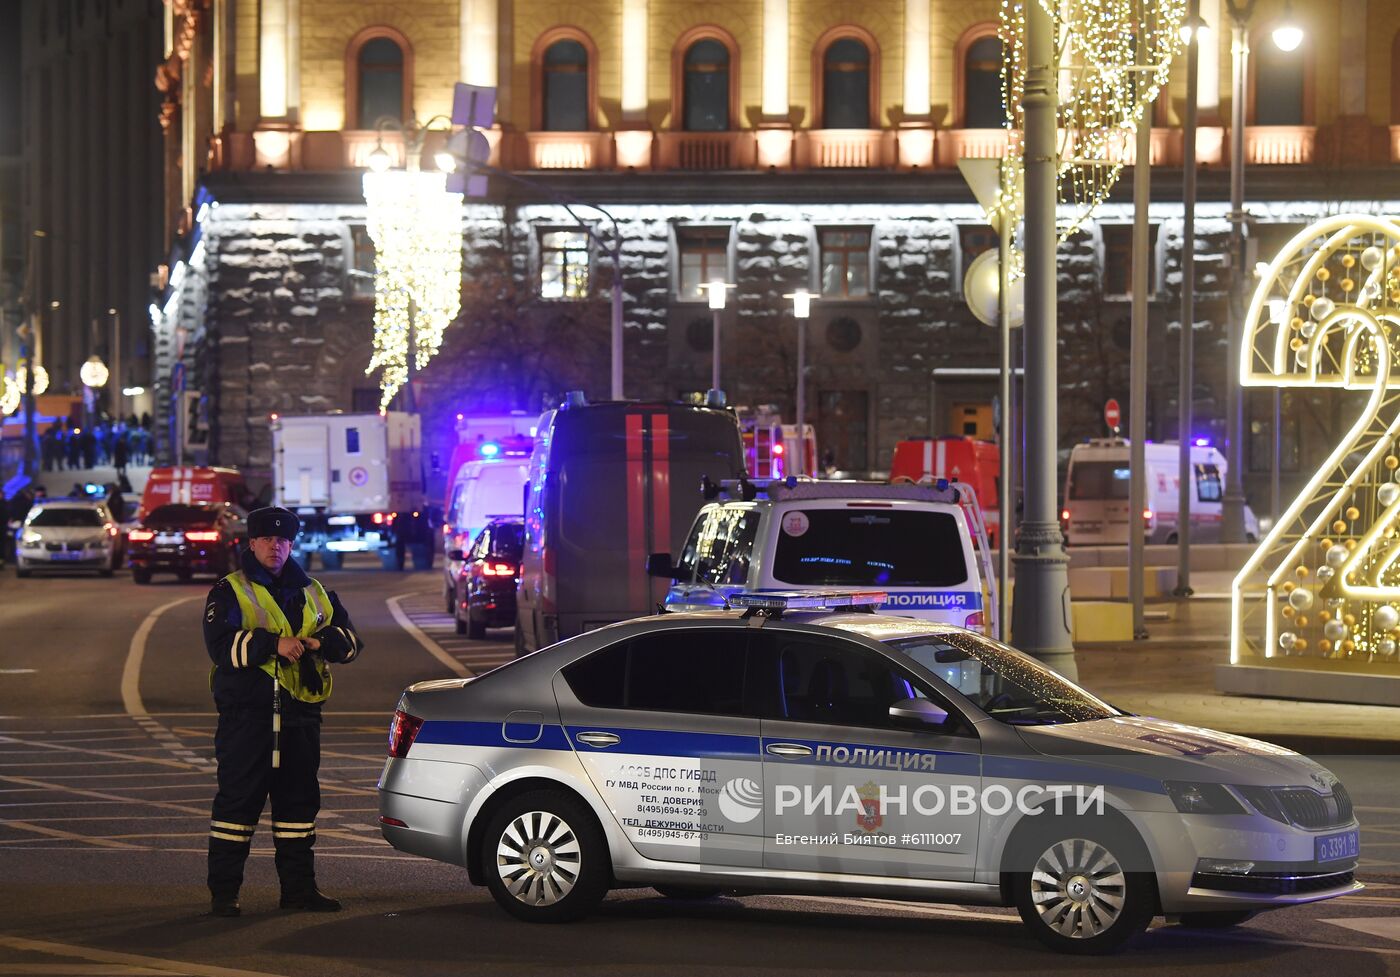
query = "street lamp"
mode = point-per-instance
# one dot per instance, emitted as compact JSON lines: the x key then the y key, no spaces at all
{"x":1194,"y":31}
{"x":718,"y":293}
{"x":801,"y":311}
{"x":1287,"y":36}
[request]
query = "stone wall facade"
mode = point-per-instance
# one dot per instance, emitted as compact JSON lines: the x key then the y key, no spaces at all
{"x":272,"y":322}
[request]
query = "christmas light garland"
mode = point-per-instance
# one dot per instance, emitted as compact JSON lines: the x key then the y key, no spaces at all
{"x":1106,"y":81}
{"x":416,"y":226}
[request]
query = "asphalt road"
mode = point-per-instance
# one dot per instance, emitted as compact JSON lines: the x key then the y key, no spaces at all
{"x":106,"y":778}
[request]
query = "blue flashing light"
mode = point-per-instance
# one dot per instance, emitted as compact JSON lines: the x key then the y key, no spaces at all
{"x":1203,"y":442}
{"x":489,"y":449}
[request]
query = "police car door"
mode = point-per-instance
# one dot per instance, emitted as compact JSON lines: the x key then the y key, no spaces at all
{"x":851,"y":789}
{"x":668,"y":733}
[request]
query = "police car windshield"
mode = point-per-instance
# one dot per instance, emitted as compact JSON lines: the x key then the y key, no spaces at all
{"x":864,"y":547}
{"x":1004,"y":683}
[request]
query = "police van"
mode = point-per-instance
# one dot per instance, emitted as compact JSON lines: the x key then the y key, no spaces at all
{"x":916,"y":543}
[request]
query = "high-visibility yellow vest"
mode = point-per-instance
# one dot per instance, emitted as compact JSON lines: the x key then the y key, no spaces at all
{"x":261,"y":611}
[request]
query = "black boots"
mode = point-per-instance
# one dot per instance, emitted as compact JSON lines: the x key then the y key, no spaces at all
{"x":314,"y":901}
{"x":224,"y":906}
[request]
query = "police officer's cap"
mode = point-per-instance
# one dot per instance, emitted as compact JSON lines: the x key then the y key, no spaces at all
{"x":273,"y":521}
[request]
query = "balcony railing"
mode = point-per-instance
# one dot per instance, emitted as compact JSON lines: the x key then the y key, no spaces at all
{"x":846,"y":149}
{"x":1280,"y":145}
{"x":763,"y":149}
{"x":707,"y":150}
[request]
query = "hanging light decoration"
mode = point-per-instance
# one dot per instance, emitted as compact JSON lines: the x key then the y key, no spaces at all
{"x":1107,"y":82}
{"x":10,"y":394}
{"x":93,"y":372}
{"x":41,"y":379}
{"x":416,"y":226}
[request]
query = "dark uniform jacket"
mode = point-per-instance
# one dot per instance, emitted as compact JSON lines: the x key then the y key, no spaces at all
{"x":239,"y":683}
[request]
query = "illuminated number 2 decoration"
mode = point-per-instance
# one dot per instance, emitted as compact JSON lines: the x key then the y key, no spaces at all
{"x":1324,"y":583}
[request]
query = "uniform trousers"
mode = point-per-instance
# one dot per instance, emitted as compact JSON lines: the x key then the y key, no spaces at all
{"x":243,"y":748}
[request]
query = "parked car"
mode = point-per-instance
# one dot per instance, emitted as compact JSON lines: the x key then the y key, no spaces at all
{"x":187,"y":538}
{"x":68,"y":534}
{"x":913,"y":542}
{"x":483,"y":594}
{"x":488,"y":487}
{"x":849,"y":754}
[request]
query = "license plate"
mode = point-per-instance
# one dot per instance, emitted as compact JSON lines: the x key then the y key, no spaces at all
{"x":67,"y":555}
{"x":1346,"y":844}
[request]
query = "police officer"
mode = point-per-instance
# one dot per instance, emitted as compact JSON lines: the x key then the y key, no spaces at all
{"x":270,"y":630}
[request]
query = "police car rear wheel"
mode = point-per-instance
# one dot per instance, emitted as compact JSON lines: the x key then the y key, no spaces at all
{"x":1079,"y":898}
{"x":546,"y":858}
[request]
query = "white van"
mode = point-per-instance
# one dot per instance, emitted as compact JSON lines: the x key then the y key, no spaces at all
{"x":911,"y":541}
{"x":1096,"y":494}
{"x":482,"y":490}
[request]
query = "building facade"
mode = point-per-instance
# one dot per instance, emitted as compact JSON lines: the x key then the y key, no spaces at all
{"x":81,"y":178}
{"x":775,"y":144}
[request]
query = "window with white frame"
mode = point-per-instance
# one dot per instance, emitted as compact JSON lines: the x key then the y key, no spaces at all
{"x":703,"y":256}
{"x":845,"y":257}
{"x":564,"y":264}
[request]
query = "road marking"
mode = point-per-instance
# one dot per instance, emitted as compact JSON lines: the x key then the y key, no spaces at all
{"x":17,"y":671}
{"x":1385,"y":927}
{"x":115,"y":757}
{"x":39,"y":829}
{"x":131,"y":671}
{"x":431,"y":646}
{"x":125,"y":959}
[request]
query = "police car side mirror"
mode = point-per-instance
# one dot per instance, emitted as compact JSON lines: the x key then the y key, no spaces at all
{"x":920,"y":711}
{"x":659,"y":565}
{"x":456,"y":555}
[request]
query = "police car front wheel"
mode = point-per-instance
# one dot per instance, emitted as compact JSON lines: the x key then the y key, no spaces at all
{"x":1080,"y":897}
{"x":546,"y":857}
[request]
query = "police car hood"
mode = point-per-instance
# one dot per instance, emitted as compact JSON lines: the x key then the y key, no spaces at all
{"x":1160,"y":750}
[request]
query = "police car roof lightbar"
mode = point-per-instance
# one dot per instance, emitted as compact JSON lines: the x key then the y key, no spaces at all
{"x":794,"y":488}
{"x":775,"y":602}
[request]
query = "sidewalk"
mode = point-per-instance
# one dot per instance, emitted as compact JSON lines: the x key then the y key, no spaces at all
{"x":1172,"y":676}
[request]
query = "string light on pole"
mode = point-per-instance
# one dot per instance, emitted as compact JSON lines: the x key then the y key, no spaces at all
{"x":10,"y":394}
{"x":416,"y":226}
{"x":1105,"y":88}
{"x":41,"y":379}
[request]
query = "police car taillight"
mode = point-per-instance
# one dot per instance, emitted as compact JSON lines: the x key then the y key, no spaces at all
{"x":973,"y":621}
{"x":402,"y":732}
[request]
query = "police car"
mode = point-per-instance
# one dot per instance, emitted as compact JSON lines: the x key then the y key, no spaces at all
{"x":913,"y":542}
{"x":800,"y":743}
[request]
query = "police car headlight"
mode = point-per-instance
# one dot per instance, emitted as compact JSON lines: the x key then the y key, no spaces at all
{"x":1192,"y":798}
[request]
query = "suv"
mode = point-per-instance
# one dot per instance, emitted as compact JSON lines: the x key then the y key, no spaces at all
{"x":68,"y":534}
{"x":910,"y":541}
{"x":849,"y":754}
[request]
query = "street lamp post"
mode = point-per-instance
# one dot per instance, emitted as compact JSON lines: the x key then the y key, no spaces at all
{"x":801,"y":311}
{"x":717,"y":292}
{"x":1041,"y":611}
{"x":1194,"y":32}
{"x":118,"y":383}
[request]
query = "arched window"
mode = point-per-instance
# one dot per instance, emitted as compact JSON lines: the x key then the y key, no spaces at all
{"x":706,"y":86}
{"x":378,"y":78}
{"x":1280,"y":84}
{"x":846,"y":85}
{"x":380,"y":66}
{"x":565,"y":96}
{"x":983,"y":107}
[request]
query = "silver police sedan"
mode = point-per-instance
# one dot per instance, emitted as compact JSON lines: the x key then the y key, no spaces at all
{"x":795,"y":746}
